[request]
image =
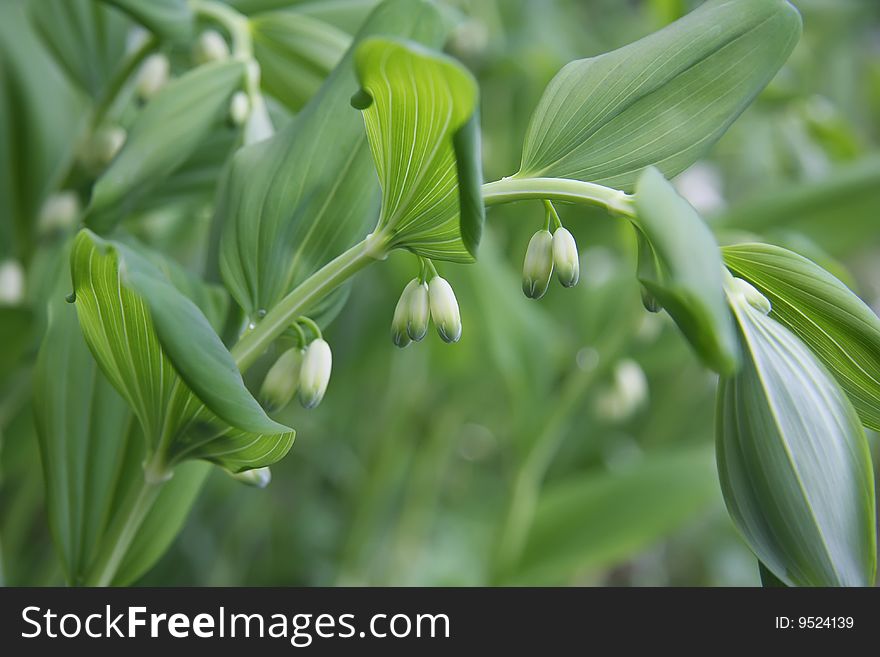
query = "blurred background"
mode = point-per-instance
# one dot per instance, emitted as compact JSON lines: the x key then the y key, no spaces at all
{"x":566,"y":441}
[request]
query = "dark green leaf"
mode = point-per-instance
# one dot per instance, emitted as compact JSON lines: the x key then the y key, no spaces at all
{"x":840,"y":329}
{"x":661,"y":101}
{"x":684,"y":275}
{"x":794,"y":462}
{"x":17,"y":326}
{"x":171,"y":127}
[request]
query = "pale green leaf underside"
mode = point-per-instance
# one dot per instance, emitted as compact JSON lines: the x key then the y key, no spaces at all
{"x":833,"y":322}
{"x":661,"y":101}
{"x":420,"y":100}
{"x":120,"y":330}
{"x":292,"y":203}
{"x":92,"y":454}
{"x":794,"y":462}
{"x":683,"y":270}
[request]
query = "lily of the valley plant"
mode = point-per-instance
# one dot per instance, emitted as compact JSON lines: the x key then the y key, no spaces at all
{"x":385,"y":157}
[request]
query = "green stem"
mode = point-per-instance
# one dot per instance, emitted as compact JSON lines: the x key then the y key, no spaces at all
{"x":118,"y":81}
{"x":254,"y":342}
{"x":235,"y":23}
{"x":508,"y":190}
{"x":121,"y":534}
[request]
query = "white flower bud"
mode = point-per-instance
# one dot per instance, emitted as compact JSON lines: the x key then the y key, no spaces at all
{"x":239,"y":108}
{"x":751,"y":295}
{"x":282,"y":380}
{"x":259,"y":124}
{"x":11,"y":283}
{"x":106,"y":144}
{"x":315,"y":373}
{"x":210,"y":47}
{"x":444,"y":309}
{"x":565,"y":257}
{"x":153,"y":75}
{"x":628,"y":392}
{"x":258,"y":477}
{"x":538,"y":265}
{"x":59,"y":211}
{"x":411,"y":315}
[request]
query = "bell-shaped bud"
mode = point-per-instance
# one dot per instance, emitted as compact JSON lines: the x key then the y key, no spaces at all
{"x":106,"y":144}
{"x":154,"y":74}
{"x":315,"y":373}
{"x":239,"y":108}
{"x":59,"y":212}
{"x":411,"y":315}
{"x":538,"y":265}
{"x":282,"y":380}
{"x":565,"y":257}
{"x":210,"y":47}
{"x":11,"y":283}
{"x":258,"y":477}
{"x":444,"y":309}
{"x":751,"y":295}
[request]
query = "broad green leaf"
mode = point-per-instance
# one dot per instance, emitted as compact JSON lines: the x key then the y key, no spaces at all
{"x":837,"y":211}
{"x":793,"y":461}
{"x":92,"y":453}
{"x":661,"y":101}
{"x":39,"y":118}
{"x":292,"y":203}
{"x":86,"y":39}
{"x":171,"y":19}
{"x":296,"y":53}
{"x":151,"y":342}
{"x":419,"y":102}
{"x":840,"y":329}
{"x":596,"y":521}
{"x":165,"y":134}
{"x":686,"y":272}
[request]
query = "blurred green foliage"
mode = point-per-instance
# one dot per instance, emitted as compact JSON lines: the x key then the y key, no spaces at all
{"x":532,"y":451}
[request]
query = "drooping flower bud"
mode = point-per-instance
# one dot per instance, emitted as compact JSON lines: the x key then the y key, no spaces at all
{"x":315,"y":373}
{"x":11,"y":283}
{"x":239,"y":108}
{"x":752,"y":296}
{"x":282,"y":380}
{"x":538,"y":265}
{"x":153,"y":75}
{"x":210,"y":47}
{"x":106,"y":144}
{"x":565,"y":257}
{"x":411,"y":315}
{"x":444,"y":309}
{"x":628,"y":392}
{"x":59,"y":211}
{"x":258,"y":477}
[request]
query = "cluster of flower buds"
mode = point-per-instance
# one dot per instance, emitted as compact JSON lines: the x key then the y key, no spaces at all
{"x":545,"y":252}
{"x":154,"y":74}
{"x":306,"y":371}
{"x":420,"y":302}
{"x":210,"y":47}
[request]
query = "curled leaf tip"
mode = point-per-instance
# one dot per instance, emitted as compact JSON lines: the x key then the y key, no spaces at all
{"x":361,"y":99}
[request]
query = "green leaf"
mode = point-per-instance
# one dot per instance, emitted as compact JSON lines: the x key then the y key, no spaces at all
{"x":153,"y":343}
{"x":292,"y":203}
{"x":420,"y":120}
{"x":170,"y":129}
{"x":17,"y":325}
{"x":40,"y":114}
{"x":166,"y":18}
{"x":793,"y":461}
{"x":840,"y":329}
{"x":661,"y":101}
{"x":86,"y":39}
{"x":685,"y":272}
{"x":296,"y":53}
{"x":597,"y":521}
{"x":92,"y":454}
